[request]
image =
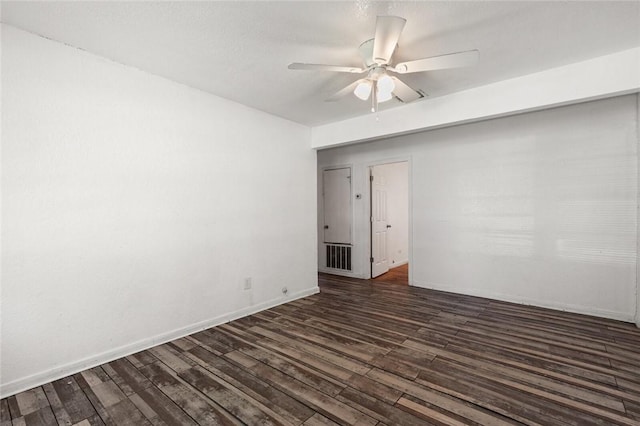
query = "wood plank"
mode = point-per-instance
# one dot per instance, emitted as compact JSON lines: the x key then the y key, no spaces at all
{"x":512,"y":356}
{"x":381,"y":411}
{"x":183,"y":344}
{"x":111,"y":404}
{"x":358,"y":350}
{"x":319,"y":420}
{"x":14,"y":410}
{"x":548,"y":372}
{"x":31,"y":401}
{"x":319,"y":401}
{"x":159,"y":408}
{"x":93,"y":420}
{"x":191,"y":400}
{"x":443,"y":401}
{"x":210,"y":342}
{"x":40,"y":417}
{"x":420,"y":408}
{"x":508,"y":372}
{"x":126,"y":376}
{"x":374,"y":389}
{"x":287,"y":407}
{"x":73,"y":399}
{"x":330,"y":369}
{"x":396,"y":366}
{"x":231,"y":399}
{"x":297,"y":371}
{"x":141,"y":359}
{"x":573,"y":404}
{"x":57,"y":406}
{"x":633,"y":410}
{"x":495,"y":396}
{"x":5,"y":415}
{"x":169,"y":356}
{"x":125,"y":413}
{"x":324,"y":353}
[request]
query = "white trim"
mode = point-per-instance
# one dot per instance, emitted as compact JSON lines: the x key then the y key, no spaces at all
{"x":50,"y":375}
{"x":397,"y":264}
{"x":578,"y":309}
{"x":341,"y":272}
{"x":410,"y":177}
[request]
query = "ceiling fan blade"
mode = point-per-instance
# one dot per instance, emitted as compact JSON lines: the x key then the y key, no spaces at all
{"x":403,"y":92}
{"x":452,"y":60}
{"x":344,"y":92}
{"x":322,"y":67}
{"x":388,"y":29}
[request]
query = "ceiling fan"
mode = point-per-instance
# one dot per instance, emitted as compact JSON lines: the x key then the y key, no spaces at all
{"x":376,"y":55}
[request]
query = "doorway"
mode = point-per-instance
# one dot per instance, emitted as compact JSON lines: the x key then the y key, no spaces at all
{"x":389,"y":195}
{"x":337,"y":218}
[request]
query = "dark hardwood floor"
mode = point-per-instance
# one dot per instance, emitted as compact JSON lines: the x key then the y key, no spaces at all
{"x":364,"y":352}
{"x":398,"y":275}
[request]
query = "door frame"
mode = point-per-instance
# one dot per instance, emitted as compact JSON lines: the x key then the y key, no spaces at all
{"x":367,"y":252}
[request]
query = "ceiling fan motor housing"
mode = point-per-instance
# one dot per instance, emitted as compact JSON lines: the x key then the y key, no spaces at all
{"x":366,"y":52}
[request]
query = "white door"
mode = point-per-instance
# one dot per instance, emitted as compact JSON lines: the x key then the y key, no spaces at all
{"x":336,"y":188}
{"x":379,"y":225}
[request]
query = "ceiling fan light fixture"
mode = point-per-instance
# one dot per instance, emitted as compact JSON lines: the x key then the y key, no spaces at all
{"x":384,"y":96}
{"x":385,"y":84}
{"x":363,"y":90}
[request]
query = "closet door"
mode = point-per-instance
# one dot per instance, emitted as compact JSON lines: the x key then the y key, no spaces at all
{"x":337,"y":205}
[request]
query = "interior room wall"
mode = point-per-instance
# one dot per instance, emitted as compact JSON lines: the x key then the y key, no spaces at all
{"x":538,"y":208}
{"x":133,"y":209}
{"x":397,"y":176}
{"x":638,"y":215}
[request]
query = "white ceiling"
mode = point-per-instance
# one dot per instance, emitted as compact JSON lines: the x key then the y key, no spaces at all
{"x":240,"y":50}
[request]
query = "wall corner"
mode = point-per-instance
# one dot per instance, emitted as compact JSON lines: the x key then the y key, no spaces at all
{"x":638,"y":210}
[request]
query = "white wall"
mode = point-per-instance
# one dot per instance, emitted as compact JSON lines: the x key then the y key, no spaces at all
{"x":538,"y":208}
{"x":133,"y":207}
{"x":397,"y":184}
{"x":638,"y":215}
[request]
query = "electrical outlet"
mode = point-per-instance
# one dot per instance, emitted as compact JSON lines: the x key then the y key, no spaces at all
{"x":247,"y":283}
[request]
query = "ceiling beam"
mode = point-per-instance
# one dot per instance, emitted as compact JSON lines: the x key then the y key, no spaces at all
{"x":606,"y":76}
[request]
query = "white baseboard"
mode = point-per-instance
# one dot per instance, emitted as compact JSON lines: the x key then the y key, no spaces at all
{"x":341,"y":273}
{"x":578,"y":309}
{"x":395,"y":265}
{"x":74,"y":367}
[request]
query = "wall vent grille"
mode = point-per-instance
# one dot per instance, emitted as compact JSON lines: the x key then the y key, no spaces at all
{"x":339,"y":257}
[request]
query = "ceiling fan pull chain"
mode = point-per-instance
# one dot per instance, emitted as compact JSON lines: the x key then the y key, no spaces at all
{"x":374,"y":96}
